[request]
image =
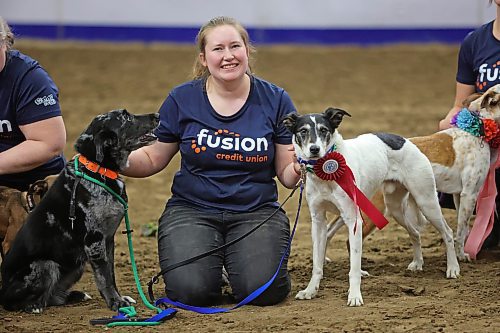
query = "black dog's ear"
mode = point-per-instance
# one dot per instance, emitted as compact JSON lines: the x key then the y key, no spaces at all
{"x":103,"y":140}
{"x":289,"y":121}
{"x":335,"y":116}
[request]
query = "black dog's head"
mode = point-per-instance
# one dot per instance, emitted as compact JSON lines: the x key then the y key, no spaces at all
{"x":313,"y":133}
{"x":110,"y":137}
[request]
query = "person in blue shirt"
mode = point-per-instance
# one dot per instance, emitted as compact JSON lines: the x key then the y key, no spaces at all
{"x":32,"y":131}
{"x":478,"y":70}
{"x":226,"y":124}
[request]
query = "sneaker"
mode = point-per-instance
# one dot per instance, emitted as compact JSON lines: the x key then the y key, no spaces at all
{"x":493,"y":238}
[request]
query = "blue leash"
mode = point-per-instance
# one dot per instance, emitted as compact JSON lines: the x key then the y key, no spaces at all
{"x":206,"y":310}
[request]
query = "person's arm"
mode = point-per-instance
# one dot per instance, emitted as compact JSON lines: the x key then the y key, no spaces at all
{"x":286,"y":165}
{"x":462,"y":92}
{"x":45,"y":139}
{"x":149,"y":160}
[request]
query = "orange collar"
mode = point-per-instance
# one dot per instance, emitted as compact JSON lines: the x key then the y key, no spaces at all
{"x":94,"y":167}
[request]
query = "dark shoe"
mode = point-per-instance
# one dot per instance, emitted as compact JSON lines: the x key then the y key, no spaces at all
{"x":493,"y":238}
{"x":446,"y":200}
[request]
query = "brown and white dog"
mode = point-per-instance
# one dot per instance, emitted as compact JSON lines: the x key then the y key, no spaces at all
{"x":15,"y":206}
{"x":460,"y":162}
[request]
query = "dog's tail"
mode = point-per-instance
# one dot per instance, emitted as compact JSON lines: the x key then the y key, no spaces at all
{"x":29,"y":286}
{"x":13,"y":295}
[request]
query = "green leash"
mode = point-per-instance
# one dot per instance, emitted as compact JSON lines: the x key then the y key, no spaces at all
{"x":130,"y":310}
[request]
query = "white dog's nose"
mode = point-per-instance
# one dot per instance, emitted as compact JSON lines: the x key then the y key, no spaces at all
{"x":314,"y":150}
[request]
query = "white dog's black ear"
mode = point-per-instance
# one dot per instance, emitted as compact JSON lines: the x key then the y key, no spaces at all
{"x":289,"y":121}
{"x":335,"y":116}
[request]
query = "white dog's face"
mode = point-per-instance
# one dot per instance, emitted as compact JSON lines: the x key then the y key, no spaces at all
{"x":313,"y":134}
{"x":313,"y":137}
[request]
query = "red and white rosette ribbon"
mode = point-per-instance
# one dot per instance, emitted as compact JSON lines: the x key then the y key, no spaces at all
{"x":333,"y":166}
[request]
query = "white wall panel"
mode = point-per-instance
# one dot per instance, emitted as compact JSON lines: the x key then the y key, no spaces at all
{"x":255,"y":13}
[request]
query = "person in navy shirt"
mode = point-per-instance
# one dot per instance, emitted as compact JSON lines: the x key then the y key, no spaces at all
{"x":478,"y":70}
{"x":32,"y":131}
{"x":226,"y":125}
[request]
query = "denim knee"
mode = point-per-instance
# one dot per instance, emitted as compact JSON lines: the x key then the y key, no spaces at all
{"x":191,"y":294}
{"x":275,"y":293}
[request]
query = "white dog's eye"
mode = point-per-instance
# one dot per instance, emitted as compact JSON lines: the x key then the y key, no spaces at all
{"x":323,"y":130}
{"x":303,"y":131}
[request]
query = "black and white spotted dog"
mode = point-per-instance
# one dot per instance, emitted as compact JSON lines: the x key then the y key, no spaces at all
{"x":76,"y":221}
{"x":377,"y":161}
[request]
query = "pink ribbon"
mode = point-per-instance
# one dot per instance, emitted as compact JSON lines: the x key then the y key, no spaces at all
{"x":485,"y":212}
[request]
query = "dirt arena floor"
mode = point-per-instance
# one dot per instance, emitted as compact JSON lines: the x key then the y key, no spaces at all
{"x":402,"y":89}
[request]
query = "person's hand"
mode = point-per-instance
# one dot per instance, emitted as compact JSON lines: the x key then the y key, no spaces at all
{"x":296,"y":164}
{"x":444,"y":124}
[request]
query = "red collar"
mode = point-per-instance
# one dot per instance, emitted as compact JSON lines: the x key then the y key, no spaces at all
{"x":94,"y":167}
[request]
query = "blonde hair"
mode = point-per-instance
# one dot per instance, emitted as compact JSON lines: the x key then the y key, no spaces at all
{"x":6,"y":35}
{"x":200,"y":71}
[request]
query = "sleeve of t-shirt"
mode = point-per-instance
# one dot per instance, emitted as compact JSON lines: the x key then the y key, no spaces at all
{"x":38,"y":97}
{"x":465,"y":68}
{"x":168,"y":129}
{"x":284,"y":136}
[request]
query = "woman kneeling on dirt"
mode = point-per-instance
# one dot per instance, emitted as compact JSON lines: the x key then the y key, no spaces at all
{"x":226,"y":125}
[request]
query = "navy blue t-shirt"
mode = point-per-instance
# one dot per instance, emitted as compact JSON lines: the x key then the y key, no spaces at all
{"x":227,"y":163}
{"x":479,"y":59}
{"x":27,"y":95}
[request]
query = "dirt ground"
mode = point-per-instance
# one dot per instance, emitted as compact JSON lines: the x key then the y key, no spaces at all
{"x":402,"y":89}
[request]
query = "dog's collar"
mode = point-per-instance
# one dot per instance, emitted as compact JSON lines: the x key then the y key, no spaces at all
{"x":30,"y":202}
{"x":309,"y":163}
{"x":96,"y":168}
{"x":474,"y":124}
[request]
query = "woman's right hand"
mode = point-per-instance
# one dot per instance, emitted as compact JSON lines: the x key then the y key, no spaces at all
{"x":148,"y":160}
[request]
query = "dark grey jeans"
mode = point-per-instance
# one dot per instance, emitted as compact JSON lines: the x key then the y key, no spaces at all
{"x":185,"y":232}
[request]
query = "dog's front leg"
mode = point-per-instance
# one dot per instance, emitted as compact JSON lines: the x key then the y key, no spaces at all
{"x":99,"y":257}
{"x":110,"y":250}
{"x":355,"y":225}
{"x":465,"y":210}
{"x":318,"y":233}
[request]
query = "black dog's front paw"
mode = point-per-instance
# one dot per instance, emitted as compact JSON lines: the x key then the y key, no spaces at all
{"x":76,"y":296}
{"x":33,"y":308}
{"x":121,"y":302}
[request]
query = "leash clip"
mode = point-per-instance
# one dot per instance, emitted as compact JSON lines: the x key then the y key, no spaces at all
{"x":72,"y":219}
{"x":303,"y":175}
{"x":302,"y":178}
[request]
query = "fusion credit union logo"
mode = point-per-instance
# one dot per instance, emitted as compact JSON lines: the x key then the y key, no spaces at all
{"x":234,"y":147}
{"x":488,"y":74}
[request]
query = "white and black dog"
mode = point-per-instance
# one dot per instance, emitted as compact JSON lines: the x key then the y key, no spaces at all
{"x":76,"y":220}
{"x":377,"y":161}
